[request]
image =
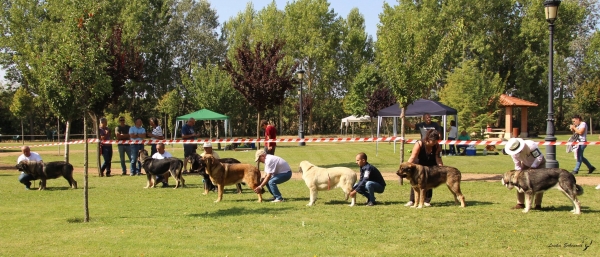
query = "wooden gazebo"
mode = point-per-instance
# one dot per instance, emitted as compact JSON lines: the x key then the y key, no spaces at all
{"x":509,"y":102}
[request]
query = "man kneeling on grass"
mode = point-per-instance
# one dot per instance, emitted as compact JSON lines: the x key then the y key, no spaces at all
{"x":371,"y":180}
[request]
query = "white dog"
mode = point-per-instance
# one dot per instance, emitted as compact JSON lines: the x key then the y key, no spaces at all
{"x":321,"y":179}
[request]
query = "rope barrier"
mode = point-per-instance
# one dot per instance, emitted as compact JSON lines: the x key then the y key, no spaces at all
{"x":295,"y":140}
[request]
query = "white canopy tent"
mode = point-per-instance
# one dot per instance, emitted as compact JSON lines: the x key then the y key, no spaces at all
{"x":349,"y":122}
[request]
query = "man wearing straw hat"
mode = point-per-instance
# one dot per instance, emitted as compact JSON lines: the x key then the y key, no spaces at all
{"x":526,"y":155}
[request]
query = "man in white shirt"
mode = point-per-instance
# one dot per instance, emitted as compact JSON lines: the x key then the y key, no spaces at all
{"x":526,"y":155}
{"x":27,"y":155}
{"x":159,"y":155}
{"x":209,"y":150}
{"x":278,"y":171}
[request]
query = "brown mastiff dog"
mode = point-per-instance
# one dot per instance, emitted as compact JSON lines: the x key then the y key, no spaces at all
{"x":229,"y":174}
{"x":423,"y":178}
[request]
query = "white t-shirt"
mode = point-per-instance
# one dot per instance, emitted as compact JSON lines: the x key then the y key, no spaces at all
{"x":453,"y":132}
{"x":276,"y":165}
{"x":530,"y":156}
{"x":33,"y":156}
{"x":157,"y":131}
{"x":159,"y":156}
{"x":584,"y":134}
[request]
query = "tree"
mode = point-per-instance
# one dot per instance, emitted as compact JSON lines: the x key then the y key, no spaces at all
{"x":412,"y":43}
{"x":259,"y":76}
{"x":22,"y":107}
{"x":364,"y":84}
{"x":381,"y":98}
{"x":474,"y":93}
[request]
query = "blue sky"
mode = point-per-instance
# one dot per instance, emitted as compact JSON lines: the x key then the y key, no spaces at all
{"x":369,"y":8}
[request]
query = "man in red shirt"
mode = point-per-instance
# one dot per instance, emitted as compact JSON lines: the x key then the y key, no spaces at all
{"x":270,"y":133}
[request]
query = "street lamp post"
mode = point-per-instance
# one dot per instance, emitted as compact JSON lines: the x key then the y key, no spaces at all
{"x":300,"y":74}
{"x":551,"y":10}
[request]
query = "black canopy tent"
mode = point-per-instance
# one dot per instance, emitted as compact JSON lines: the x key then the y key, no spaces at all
{"x":417,"y":108}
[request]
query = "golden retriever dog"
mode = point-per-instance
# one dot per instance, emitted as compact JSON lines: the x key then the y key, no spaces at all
{"x":423,"y":178}
{"x":322,"y":179}
{"x":230,"y":174}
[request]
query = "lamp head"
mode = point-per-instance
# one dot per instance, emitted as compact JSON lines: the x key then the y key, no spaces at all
{"x":551,"y":10}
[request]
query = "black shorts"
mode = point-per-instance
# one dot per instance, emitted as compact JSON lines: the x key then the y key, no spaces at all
{"x":189,"y":149}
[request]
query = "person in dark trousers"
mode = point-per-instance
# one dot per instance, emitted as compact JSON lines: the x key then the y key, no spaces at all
{"x":426,"y":152}
{"x":371,"y":181}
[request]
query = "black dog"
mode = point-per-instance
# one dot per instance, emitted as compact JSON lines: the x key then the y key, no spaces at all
{"x":199,"y":166}
{"x":50,"y":170}
{"x":160,"y":167}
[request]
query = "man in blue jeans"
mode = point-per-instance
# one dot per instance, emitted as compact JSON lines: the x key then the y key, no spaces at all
{"x":122,"y":133}
{"x":371,"y":180}
{"x":278,"y":171}
{"x":136,"y":132}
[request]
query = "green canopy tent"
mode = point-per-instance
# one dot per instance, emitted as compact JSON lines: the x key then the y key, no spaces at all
{"x":203,"y":114}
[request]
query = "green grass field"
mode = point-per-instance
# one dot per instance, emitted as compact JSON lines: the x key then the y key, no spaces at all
{"x":128,"y":220}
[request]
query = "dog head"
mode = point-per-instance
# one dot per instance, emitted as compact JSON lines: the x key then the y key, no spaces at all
{"x":507,"y":179}
{"x":142,"y":155}
{"x":196,"y":163}
{"x":22,"y":166}
{"x":305,"y":166}
{"x":209,"y":162}
{"x":406,"y":170}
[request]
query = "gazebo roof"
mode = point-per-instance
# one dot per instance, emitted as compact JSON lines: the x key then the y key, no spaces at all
{"x":506,"y":100}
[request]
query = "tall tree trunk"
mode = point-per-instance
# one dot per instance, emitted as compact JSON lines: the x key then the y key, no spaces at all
{"x":67,"y":132}
{"x":58,"y":132}
{"x":403,"y":135}
{"x":22,"y":133}
{"x":86,"y":211}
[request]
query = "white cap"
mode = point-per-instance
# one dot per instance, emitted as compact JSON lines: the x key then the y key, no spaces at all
{"x":207,"y":144}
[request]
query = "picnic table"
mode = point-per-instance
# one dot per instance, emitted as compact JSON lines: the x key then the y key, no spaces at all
{"x":494,"y":134}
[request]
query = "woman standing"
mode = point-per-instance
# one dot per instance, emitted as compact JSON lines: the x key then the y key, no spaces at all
{"x":580,"y":128}
{"x":426,"y":152}
{"x":452,"y":135}
{"x":157,"y":134}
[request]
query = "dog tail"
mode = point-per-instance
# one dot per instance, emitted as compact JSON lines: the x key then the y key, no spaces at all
{"x":579,"y":189}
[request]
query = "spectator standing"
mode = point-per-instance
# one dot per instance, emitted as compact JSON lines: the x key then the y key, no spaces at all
{"x":136,"y":132}
{"x":452,"y":135}
{"x":27,"y":155}
{"x":426,"y":125}
{"x":580,"y":127}
{"x":187,"y":133}
{"x":106,"y":149}
{"x":156,"y":134}
{"x":122,"y":133}
{"x":270,"y":133}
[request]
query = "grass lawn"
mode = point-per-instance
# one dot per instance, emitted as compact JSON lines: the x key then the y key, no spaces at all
{"x":128,"y":220}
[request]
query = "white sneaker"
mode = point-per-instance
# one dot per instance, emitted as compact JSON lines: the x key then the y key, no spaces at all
{"x":598,"y":186}
{"x":410,"y":203}
{"x":427,"y":204}
{"x":278,"y":200}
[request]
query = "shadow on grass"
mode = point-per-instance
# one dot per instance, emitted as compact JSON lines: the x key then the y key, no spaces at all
{"x":75,"y":220}
{"x":567,"y":208}
{"x":240,"y":211}
{"x":485,"y":178}
{"x":63,"y":188}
